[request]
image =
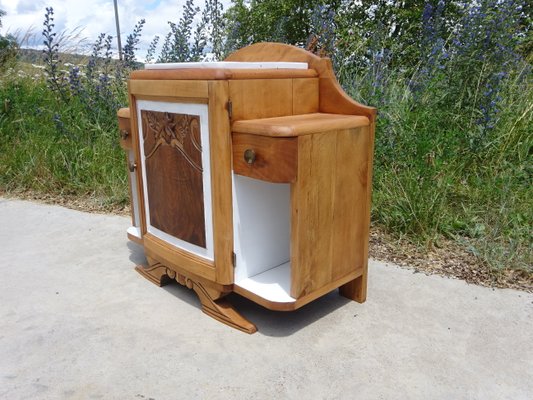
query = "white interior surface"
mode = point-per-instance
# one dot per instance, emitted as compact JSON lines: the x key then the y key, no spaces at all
{"x":230,"y":65}
{"x":272,"y":285}
{"x":261,"y":228}
{"x":191,"y":109}
{"x":133,"y":230}
{"x":134,"y":192}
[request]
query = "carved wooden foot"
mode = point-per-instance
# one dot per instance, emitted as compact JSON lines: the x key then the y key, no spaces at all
{"x":155,"y":272}
{"x":220,"y":309}
{"x":212,"y":303}
{"x":355,"y":290}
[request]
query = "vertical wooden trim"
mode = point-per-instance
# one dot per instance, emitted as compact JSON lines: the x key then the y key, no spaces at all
{"x":220,"y":141}
{"x":137,"y":153}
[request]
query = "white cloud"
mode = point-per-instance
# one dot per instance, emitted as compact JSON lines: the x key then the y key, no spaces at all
{"x":93,"y":17}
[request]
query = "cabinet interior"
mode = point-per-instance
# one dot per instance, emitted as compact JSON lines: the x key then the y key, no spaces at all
{"x":262,"y":232}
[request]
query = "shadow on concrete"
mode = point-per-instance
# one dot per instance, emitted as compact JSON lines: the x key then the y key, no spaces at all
{"x":268,"y":322}
{"x":285,"y":323}
{"x":136,"y":253}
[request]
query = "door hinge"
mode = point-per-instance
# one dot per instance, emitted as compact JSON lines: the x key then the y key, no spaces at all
{"x":230,"y":109}
{"x":234,"y":259}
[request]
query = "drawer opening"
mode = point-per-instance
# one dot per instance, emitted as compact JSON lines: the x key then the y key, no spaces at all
{"x":262,"y":231}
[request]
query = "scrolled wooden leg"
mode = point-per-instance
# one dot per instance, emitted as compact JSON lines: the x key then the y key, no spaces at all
{"x":156,"y":272}
{"x":220,"y":309}
{"x":212,"y":302}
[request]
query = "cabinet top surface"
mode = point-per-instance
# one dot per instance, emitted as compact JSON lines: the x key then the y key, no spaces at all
{"x":229,"y":65}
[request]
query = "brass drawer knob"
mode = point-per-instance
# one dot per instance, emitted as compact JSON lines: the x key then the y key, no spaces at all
{"x":249,"y":156}
{"x":124,"y":134}
{"x":132,"y":167}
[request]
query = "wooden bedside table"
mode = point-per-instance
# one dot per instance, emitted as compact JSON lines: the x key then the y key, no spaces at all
{"x":252,"y":176}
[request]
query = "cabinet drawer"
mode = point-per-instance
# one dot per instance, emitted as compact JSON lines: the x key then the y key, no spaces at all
{"x":266,"y":158}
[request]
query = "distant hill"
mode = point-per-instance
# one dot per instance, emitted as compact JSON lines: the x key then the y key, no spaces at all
{"x":34,"y":56}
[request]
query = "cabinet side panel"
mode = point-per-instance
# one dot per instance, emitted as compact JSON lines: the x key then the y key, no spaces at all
{"x":312,"y":267}
{"x":329,"y":215}
{"x":350,"y":207}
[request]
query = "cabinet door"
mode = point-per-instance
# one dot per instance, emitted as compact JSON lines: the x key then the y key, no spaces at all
{"x":175,"y":162}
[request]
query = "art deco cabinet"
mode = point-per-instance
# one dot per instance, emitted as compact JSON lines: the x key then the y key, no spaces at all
{"x":251,"y":175}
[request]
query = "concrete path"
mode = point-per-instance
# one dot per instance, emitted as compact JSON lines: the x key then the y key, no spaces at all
{"x":77,"y":322}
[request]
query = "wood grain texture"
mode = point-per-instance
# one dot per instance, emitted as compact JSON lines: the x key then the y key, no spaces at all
{"x":329,"y":206}
{"x":276,"y":158}
{"x":298,"y":125}
{"x":179,"y":260}
{"x":333,"y":99}
{"x":260,"y":98}
{"x":173,"y":163}
{"x":190,"y":74}
{"x":305,"y":96}
{"x":183,"y":89}
{"x":357,"y":289}
{"x":221,"y":74}
{"x":220,"y":142}
{"x":220,"y":309}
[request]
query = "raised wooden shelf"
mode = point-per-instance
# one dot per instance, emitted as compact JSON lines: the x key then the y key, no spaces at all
{"x":298,"y":125}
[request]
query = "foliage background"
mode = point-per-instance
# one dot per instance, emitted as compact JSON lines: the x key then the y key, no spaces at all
{"x":451,"y":81}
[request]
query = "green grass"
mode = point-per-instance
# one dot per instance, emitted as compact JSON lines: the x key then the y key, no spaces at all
{"x":431,"y":181}
{"x":73,"y":156}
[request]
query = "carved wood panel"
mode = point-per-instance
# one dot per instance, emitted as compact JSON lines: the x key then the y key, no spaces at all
{"x":173,"y":163}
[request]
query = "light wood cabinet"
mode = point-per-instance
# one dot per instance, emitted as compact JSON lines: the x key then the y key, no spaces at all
{"x":250,"y":176}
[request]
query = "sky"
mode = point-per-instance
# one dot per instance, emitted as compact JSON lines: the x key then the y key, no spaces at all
{"x":89,"y":18}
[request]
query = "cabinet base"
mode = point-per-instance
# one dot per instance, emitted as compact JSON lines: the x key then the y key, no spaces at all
{"x":212,"y":302}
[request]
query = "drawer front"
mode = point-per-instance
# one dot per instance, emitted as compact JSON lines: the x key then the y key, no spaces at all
{"x":265,"y":158}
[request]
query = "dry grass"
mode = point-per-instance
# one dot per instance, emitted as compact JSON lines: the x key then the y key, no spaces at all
{"x":449,"y":258}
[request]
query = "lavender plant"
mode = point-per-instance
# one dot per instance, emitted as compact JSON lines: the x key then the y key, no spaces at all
{"x":132,"y":41}
{"x":176,"y":47}
{"x":55,"y":77}
{"x":323,"y":28}
{"x":188,"y":41}
{"x":150,"y":54}
{"x":482,"y":55}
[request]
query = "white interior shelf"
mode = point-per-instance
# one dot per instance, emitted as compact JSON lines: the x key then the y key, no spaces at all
{"x":273,"y":284}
